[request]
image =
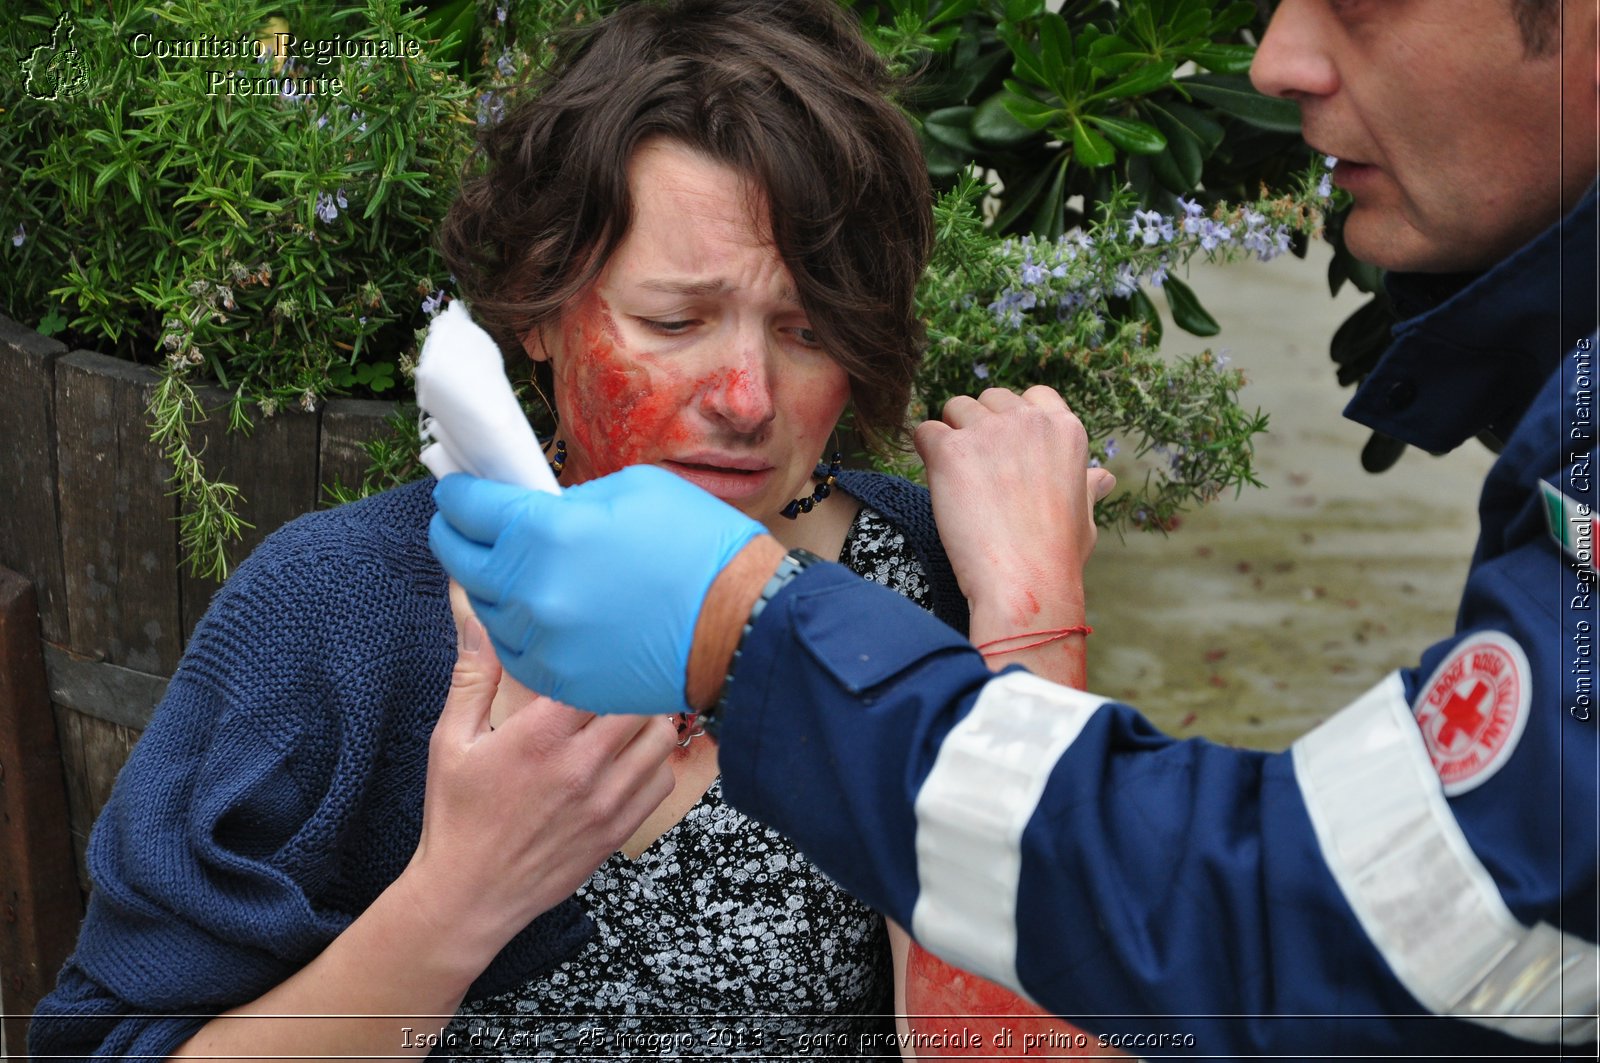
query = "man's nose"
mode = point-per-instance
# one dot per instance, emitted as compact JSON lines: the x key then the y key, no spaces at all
{"x":740,"y":392}
{"x":1294,"y":60}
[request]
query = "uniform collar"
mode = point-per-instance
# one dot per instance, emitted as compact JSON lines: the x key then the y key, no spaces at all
{"x":1474,"y":350}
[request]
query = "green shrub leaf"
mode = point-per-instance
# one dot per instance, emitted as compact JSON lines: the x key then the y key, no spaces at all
{"x":1090,"y":147}
{"x":1233,"y":94}
{"x":1187,"y":313}
{"x":1138,"y":137}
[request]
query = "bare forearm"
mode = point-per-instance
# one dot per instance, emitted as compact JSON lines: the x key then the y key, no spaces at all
{"x":1034,"y":627}
{"x":383,"y":989}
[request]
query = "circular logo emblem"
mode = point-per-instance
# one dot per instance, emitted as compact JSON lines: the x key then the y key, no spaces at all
{"x":1472,"y":710}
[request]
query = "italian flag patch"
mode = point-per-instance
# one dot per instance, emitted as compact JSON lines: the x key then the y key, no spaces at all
{"x":1573,"y":525}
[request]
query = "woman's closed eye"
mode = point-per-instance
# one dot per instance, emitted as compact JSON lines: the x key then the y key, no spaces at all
{"x":801,"y":334}
{"x":672,"y":327}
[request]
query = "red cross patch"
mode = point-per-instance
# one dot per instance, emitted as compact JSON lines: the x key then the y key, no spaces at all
{"x":1473,"y":708}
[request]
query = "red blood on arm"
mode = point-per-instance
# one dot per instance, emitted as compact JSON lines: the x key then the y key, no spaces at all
{"x":942,"y":998}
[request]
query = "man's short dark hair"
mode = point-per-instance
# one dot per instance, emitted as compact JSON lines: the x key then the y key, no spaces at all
{"x":1540,"y":23}
{"x":785,"y":92}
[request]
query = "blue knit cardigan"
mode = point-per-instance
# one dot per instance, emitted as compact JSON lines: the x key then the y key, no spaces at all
{"x":278,"y":789}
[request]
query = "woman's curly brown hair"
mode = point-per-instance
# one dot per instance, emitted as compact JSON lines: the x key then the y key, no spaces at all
{"x":785,"y":92}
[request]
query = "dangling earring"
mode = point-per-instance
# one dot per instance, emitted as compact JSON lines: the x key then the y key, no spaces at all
{"x":830,"y":479}
{"x":559,"y":461}
{"x":544,"y":400}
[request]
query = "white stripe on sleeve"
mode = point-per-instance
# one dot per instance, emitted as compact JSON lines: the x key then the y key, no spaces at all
{"x":1425,"y":900}
{"x":973,"y":806}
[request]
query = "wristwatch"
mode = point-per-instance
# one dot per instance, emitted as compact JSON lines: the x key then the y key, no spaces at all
{"x":794,"y":562}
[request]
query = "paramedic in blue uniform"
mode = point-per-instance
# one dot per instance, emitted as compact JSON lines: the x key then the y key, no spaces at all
{"x":1416,"y":875}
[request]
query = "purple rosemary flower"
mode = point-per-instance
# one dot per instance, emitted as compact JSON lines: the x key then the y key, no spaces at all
{"x":980,"y":370}
{"x":1213,"y":234}
{"x":505,"y":64}
{"x":329,"y":205}
{"x":1127,"y":282}
{"x":491,"y":108}
{"x":500,"y":14}
{"x":18,"y":237}
{"x":1110,"y":448}
{"x":433,"y":303}
{"x":1192,"y":214}
{"x":1325,"y":186}
{"x":1150,"y":226}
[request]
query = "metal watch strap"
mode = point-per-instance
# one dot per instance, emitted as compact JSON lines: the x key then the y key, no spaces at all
{"x":794,"y":562}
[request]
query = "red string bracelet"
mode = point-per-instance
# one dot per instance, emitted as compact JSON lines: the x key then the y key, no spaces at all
{"x":1051,"y":635}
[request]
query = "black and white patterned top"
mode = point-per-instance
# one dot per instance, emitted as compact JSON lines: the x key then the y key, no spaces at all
{"x":720,"y":940}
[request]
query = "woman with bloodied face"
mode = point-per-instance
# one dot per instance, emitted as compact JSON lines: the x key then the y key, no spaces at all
{"x":701,"y":231}
{"x":713,"y":258}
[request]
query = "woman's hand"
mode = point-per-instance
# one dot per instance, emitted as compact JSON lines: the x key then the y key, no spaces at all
{"x":1014,"y":500}
{"x":1012,"y":493}
{"x":517,"y":816}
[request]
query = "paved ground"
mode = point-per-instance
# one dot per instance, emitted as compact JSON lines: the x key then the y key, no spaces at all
{"x":1262,"y":615}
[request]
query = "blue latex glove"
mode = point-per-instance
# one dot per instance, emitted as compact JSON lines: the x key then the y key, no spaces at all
{"x":590,"y":596}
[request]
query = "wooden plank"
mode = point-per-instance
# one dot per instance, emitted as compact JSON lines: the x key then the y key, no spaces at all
{"x":92,"y":752}
{"x":29,"y":539}
{"x":40,"y":904}
{"x":119,"y":539}
{"x":108,"y":692}
{"x":346,"y":425}
{"x":69,"y":733}
{"x":275,"y":469}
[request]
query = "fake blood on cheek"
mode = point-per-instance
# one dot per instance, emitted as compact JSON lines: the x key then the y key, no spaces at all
{"x":620,"y":412}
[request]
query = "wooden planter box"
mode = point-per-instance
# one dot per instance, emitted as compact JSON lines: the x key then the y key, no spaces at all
{"x":86,"y":516}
